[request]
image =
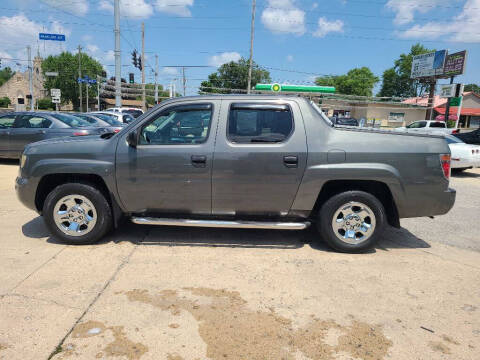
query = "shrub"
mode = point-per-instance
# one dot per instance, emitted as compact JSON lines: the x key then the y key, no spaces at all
{"x":46,"y":104}
{"x":5,"y":101}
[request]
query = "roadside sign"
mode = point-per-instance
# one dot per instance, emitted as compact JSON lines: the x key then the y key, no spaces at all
{"x":448,"y":91}
{"x":86,"y":80}
{"x":51,"y":73}
{"x":54,"y":37}
{"x":56,"y":100}
{"x":455,"y":63}
{"x":430,"y":64}
{"x":55,"y":93}
{"x":455,"y":101}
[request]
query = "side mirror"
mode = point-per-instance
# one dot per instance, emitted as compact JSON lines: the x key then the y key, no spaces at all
{"x":132,"y":139}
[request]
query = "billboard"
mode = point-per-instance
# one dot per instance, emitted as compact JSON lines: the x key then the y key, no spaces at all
{"x":455,"y":63}
{"x":430,"y":64}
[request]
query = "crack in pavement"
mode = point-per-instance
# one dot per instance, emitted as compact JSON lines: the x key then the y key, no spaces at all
{"x":107,"y":284}
{"x":40,"y":299}
{"x":37,"y":269}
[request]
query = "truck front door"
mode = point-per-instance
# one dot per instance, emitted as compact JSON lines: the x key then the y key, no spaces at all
{"x":170,"y":170}
{"x":260,"y":157}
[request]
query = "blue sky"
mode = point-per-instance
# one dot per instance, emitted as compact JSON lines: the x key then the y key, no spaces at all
{"x":294,"y":39}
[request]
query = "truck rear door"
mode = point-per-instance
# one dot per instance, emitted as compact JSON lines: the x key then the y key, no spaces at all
{"x":259,"y":158}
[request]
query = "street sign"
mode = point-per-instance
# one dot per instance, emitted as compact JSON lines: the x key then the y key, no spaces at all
{"x":455,"y":63}
{"x":295,"y":88}
{"x":86,"y":80}
{"x":55,"y":93}
{"x":427,"y":65}
{"x":51,"y":73}
{"x":56,"y":100}
{"x":448,"y":91}
{"x":455,"y":101}
{"x":54,"y":37}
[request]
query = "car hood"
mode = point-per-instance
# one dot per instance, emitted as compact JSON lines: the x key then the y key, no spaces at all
{"x":67,"y":144}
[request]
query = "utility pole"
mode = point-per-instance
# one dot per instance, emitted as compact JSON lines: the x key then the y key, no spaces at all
{"x":98,"y":92}
{"x":144,"y":104}
{"x":252,"y":34}
{"x":118,"y":60}
{"x":156,"y":79}
{"x":184,"y":82}
{"x":87,"y":85}
{"x":30,"y":78}
{"x":431,"y":99}
{"x":80,"y":76}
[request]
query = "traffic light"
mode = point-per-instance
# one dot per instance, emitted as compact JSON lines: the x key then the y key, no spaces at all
{"x":140,"y":63}
{"x":134,"y":58}
{"x":131,"y":78}
{"x":104,"y":74}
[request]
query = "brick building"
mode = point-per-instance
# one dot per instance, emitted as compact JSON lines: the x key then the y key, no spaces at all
{"x":17,"y":88}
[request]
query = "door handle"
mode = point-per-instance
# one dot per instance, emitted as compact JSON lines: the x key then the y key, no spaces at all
{"x":199,"y":160}
{"x":290,"y":161}
{"x":41,"y":132}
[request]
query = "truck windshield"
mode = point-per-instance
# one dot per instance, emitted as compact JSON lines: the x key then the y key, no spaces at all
{"x":320,"y":112}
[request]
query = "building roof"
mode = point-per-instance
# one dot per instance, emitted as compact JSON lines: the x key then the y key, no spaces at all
{"x":423,"y":101}
{"x":463,"y":111}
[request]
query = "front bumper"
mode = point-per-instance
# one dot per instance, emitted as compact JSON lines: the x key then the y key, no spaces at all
{"x":26,"y":191}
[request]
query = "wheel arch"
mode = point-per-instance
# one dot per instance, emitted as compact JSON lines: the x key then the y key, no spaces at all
{"x":377,"y":188}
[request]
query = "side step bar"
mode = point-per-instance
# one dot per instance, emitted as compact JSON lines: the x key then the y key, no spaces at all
{"x":222,"y":223}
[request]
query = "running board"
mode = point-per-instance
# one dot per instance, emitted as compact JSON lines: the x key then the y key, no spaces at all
{"x":222,"y":223}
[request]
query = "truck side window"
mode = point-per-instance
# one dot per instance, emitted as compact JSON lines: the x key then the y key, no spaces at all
{"x":258,"y":123}
{"x":187,"y":124}
{"x":438,"y":124}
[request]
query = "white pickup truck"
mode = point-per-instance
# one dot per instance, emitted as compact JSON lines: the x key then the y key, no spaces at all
{"x":433,"y":127}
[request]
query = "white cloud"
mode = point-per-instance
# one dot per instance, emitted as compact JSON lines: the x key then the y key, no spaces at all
{"x":19,"y":29}
{"x":282,"y":16}
{"x":169,"y":71}
{"x":77,"y":7}
{"x":289,"y":58}
{"x":175,"y":7}
{"x":405,"y":9}
{"x":129,"y":9}
{"x":463,"y":27}
{"x":325,"y":27}
{"x":223,"y":58}
{"x":109,"y":56}
{"x":92,"y":48}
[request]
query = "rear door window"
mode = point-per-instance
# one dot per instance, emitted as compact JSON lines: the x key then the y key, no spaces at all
{"x":32,"y":122}
{"x":259,"y":123}
{"x":6,"y":121}
{"x":437,"y":124}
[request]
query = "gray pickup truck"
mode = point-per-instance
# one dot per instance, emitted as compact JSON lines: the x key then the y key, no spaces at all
{"x":268,"y":162}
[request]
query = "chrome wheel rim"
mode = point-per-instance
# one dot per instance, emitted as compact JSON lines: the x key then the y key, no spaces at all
{"x":353,"y":223}
{"x":75,"y":215}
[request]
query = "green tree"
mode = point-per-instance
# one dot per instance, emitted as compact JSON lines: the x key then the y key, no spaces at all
{"x":234,"y":75}
{"x":66,"y":64}
{"x":358,"y":81}
{"x":5,"y":75}
{"x":472,"y":87}
{"x":398,"y":81}
{"x":4,"y":102}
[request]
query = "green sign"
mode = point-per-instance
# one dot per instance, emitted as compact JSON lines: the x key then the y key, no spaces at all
{"x":455,"y":101}
{"x":295,"y":88}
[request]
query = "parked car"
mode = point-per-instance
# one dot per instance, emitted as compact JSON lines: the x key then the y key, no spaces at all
{"x":344,"y":121}
{"x":117,"y":117}
{"x":471,"y":137}
{"x":434,"y":127}
{"x":18,"y":129}
{"x":110,"y":124}
{"x":135,"y":112}
{"x":464,"y":156}
{"x":246,"y":161}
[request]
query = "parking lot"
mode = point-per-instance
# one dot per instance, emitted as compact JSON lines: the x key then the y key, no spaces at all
{"x":187,"y":293}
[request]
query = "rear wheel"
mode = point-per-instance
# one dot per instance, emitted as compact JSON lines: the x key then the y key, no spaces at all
{"x":77,"y":213}
{"x":351,"y":221}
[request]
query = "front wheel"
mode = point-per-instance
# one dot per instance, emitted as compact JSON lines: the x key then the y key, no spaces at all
{"x":352,"y":221}
{"x":77,"y":213}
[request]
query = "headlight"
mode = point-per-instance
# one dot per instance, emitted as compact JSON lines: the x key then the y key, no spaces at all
{"x":23,"y":160}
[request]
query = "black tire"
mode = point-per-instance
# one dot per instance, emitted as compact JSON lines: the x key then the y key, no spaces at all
{"x":330,"y":207}
{"x":103,"y":219}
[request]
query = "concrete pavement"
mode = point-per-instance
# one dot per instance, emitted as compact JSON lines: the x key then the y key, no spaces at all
{"x":185,"y":293}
